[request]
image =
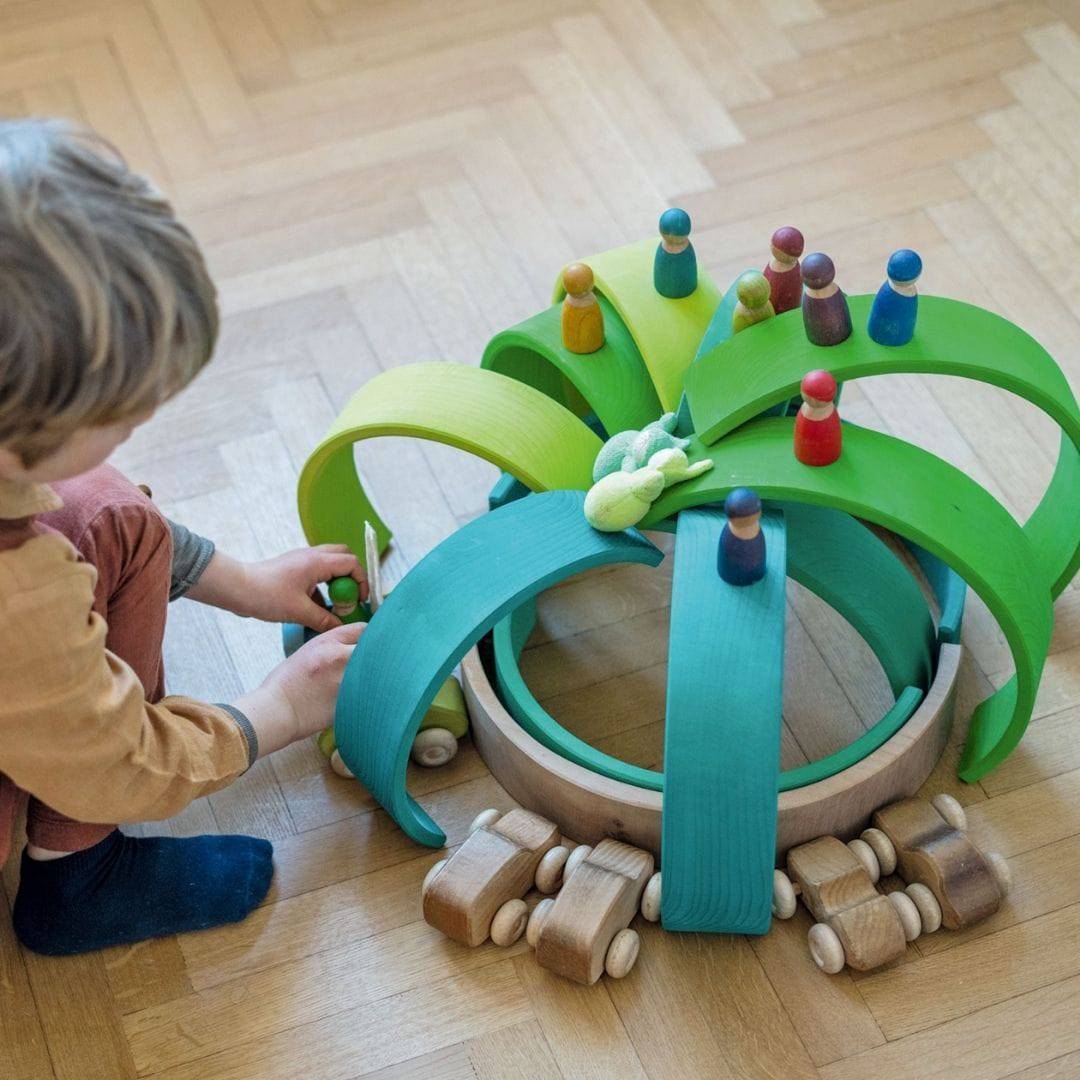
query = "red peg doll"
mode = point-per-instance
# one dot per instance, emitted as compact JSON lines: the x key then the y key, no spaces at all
{"x":817,"y":427}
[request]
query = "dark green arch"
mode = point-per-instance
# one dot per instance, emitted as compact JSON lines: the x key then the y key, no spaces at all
{"x":921,"y":498}
{"x":764,"y":364}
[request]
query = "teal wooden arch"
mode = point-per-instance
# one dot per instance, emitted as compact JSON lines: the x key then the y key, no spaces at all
{"x":840,"y":561}
{"x":437,"y":612}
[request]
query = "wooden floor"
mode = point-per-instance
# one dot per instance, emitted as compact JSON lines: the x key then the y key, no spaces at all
{"x":382,"y":181}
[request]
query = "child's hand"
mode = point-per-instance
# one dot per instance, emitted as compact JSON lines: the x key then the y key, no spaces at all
{"x":281,"y":589}
{"x":297,"y":698}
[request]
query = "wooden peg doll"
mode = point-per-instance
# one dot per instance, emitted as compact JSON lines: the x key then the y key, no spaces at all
{"x":741,"y":555}
{"x":582,"y":319}
{"x":892,"y":315}
{"x":785,"y":278}
{"x":754,"y":305}
{"x":345,"y":599}
{"x":675,"y":265}
{"x":825,"y":310}
{"x":817,"y":426}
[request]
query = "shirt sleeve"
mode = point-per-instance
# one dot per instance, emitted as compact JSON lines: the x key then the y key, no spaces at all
{"x":75,"y":727}
{"x":191,"y":556}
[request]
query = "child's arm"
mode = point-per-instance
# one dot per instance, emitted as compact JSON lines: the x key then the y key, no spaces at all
{"x":76,"y":730}
{"x":280,"y":589}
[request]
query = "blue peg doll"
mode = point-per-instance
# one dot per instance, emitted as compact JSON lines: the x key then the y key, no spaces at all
{"x":892,"y":316}
{"x":741,"y":555}
{"x":675,"y":265}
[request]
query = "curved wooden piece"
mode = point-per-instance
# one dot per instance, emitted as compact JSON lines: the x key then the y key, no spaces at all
{"x":834,"y":556}
{"x":746,"y":374}
{"x":722,"y":733}
{"x":613,"y":381}
{"x":438,"y":611}
{"x":924,"y":499}
{"x":514,"y":426}
{"x":588,"y":807}
{"x":667,"y":332}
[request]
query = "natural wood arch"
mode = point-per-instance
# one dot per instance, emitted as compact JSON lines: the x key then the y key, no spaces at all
{"x":588,"y":807}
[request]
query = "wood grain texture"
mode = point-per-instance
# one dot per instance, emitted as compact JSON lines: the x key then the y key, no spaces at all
{"x":386,"y":183}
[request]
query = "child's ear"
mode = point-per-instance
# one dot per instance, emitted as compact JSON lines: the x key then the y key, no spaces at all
{"x":11,"y":466}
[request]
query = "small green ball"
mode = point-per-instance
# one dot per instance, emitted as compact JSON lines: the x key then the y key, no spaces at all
{"x":753,"y":288}
{"x":344,"y":590}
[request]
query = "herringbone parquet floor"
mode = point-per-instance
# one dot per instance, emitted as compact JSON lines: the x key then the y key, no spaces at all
{"x":381,"y":181}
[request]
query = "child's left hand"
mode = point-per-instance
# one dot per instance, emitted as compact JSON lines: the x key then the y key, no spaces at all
{"x":281,"y":589}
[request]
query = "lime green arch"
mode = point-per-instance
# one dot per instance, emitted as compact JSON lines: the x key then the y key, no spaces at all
{"x":918,"y":496}
{"x":667,"y":332}
{"x":753,"y":370}
{"x":512,"y":425}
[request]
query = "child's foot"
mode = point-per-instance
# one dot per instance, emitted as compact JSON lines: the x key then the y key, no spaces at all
{"x":127,"y":889}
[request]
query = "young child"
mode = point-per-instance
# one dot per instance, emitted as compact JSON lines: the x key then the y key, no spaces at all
{"x":106,"y":311}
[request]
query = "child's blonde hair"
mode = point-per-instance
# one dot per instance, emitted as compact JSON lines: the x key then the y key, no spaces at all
{"x":106,"y":307}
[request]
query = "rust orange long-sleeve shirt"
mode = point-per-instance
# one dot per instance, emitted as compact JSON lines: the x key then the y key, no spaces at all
{"x":75,"y":727}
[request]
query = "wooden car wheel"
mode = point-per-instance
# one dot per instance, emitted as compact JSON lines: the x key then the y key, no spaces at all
{"x":650,"y":899}
{"x":910,"y":918}
{"x":536,"y":920}
{"x":783,"y":896}
{"x":1001,"y":871}
{"x":339,"y":766}
{"x":622,"y":953}
{"x":825,"y":948}
{"x":951,"y":811}
{"x":882,"y":847}
{"x":865,"y":854}
{"x":926,"y":902}
{"x":549,"y":873}
{"x":485,"y":817}
{"x":509,"y":922}
{"x":433,"y":747}
{"x":577,"y":857}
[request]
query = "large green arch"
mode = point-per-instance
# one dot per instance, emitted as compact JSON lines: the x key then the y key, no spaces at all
{"x":926,"y":500}
{"x":512,"y":425}
{"x":762,"y":366}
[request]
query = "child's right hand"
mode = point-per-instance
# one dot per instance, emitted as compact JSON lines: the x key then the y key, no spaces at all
{"x":297,"y":698}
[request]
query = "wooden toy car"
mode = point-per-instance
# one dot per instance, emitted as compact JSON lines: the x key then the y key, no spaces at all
{"x":477,"y":892}
{"x":950,"y":883}
{"x":932,"y":852}
{"x":583,"y":932}
{"x":856,"y":924}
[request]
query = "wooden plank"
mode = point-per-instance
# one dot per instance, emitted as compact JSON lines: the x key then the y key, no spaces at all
{"x":293,"y":994}
{"x":992,"y":1043}
{"x":373,"y":1036}
{"x":580,"y":1024}
{"x":24,"y":1050}
{"x":520,"y":1051}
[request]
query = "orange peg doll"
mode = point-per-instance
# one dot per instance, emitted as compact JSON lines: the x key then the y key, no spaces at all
{"x":582,"y":319}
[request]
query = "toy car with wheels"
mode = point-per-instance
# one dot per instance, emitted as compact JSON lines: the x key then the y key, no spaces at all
{"x":584,"y":931}
{"x":856,"y":925}
{"x":932,"y":852}
{"x":445,"y":722}
{"x":477,"y":892}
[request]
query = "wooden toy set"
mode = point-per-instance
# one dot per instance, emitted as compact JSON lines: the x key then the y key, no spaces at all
{"x":643,"y":396}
